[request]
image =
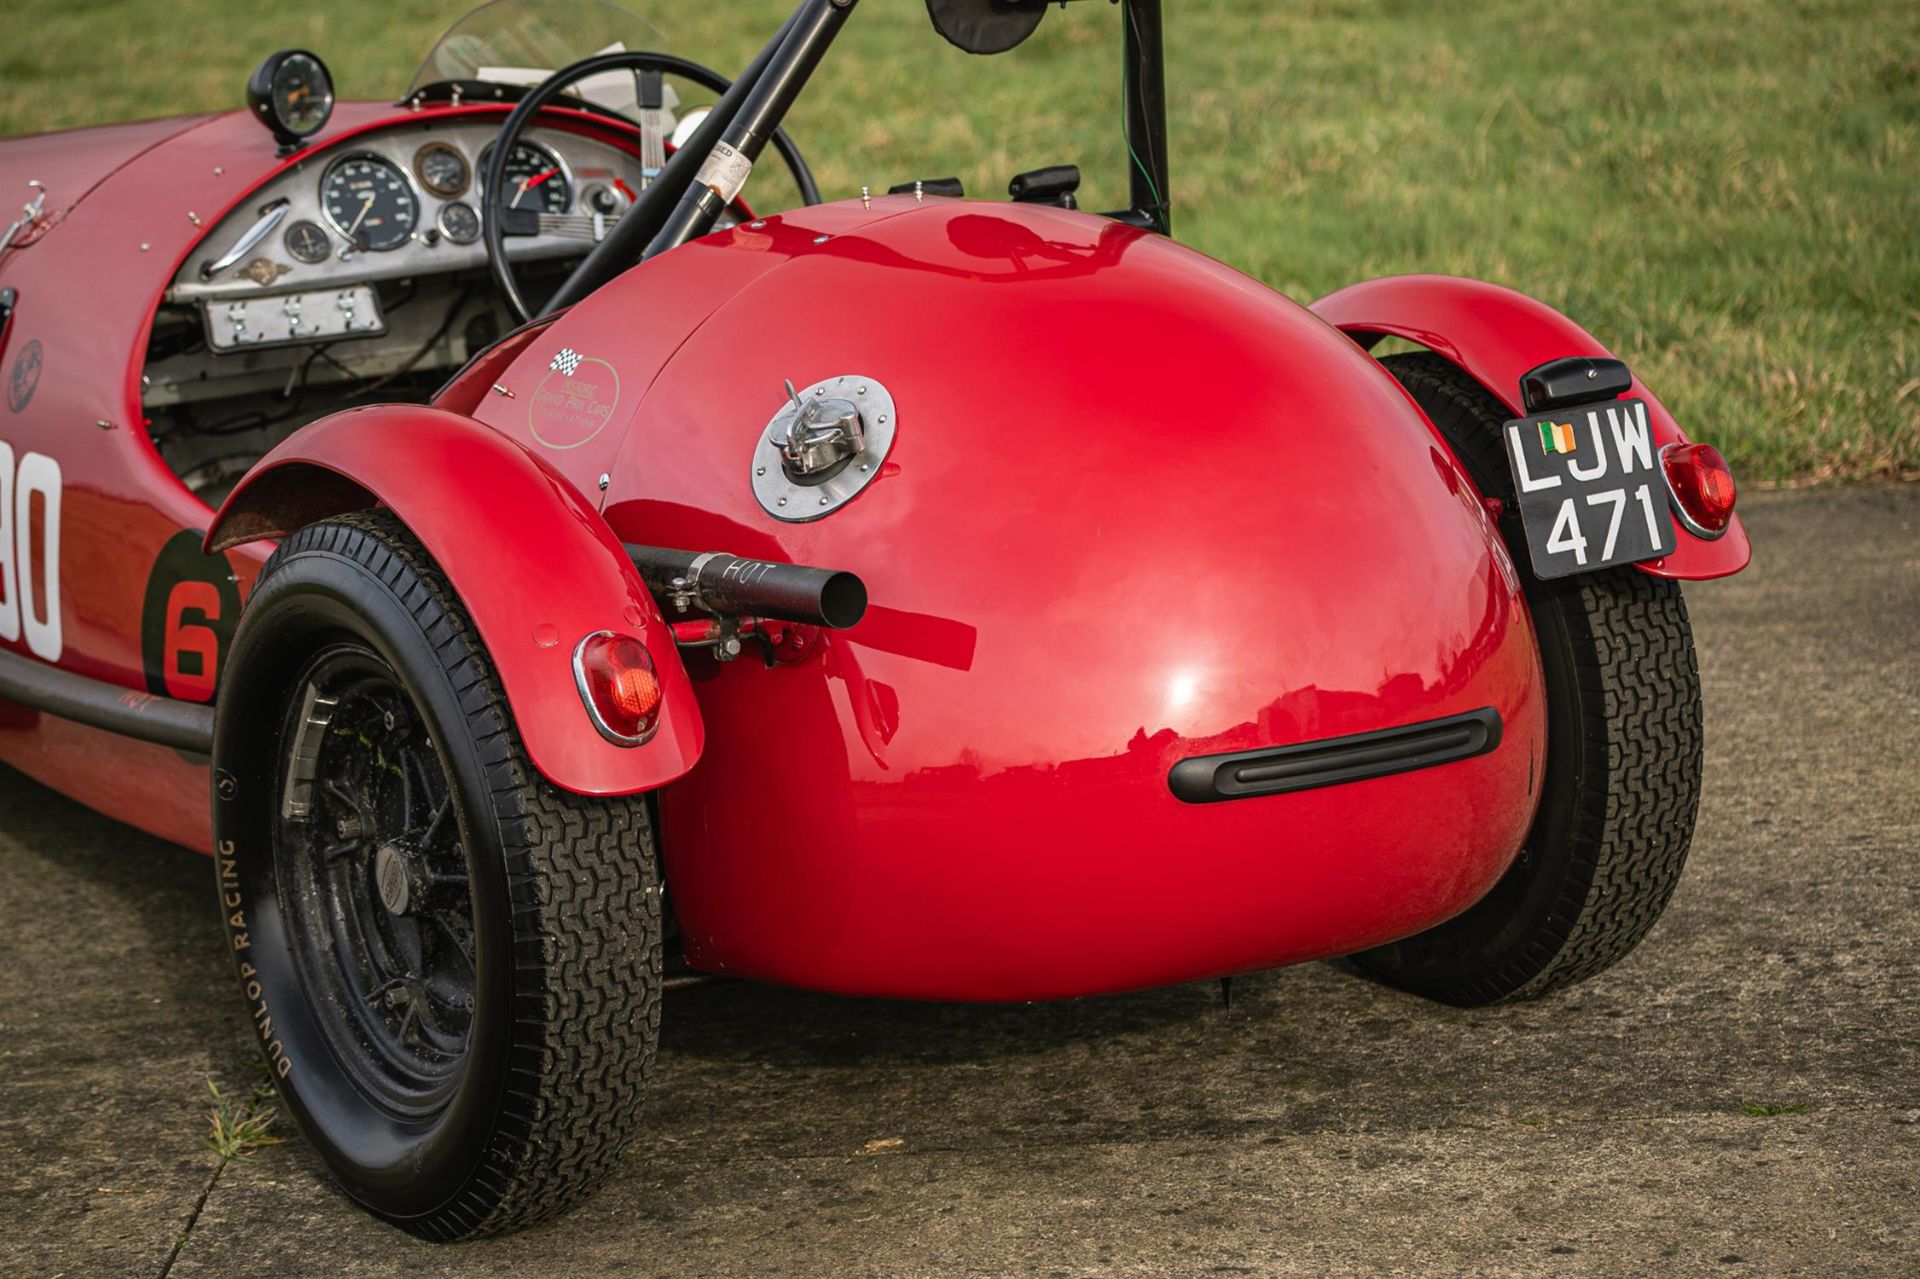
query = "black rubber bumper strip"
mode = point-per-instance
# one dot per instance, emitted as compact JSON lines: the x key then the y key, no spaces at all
{"x":165,"y":721}
{"x":1280,"y":770}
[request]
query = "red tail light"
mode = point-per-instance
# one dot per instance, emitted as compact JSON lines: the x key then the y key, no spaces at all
{"x":616,"y":681}
{"x":1701,"y":487}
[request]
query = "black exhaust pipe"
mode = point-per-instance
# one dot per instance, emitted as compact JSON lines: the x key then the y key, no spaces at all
{"x":727,"y":585}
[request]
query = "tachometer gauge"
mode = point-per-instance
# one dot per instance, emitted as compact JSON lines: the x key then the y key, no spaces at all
{"x":441,"y":169}
{"x":537,"y":179}
{"x":370,"y":202}
{"x":459,"y":223}
{"x":292,"y":94}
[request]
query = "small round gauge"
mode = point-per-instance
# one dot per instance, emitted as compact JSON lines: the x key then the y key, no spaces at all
{"x":536,"y":179}
{"x":603,"y":199}
{"x":292,"y":94}
{"x":459,"y":223}
{"x":442,"y":170}
{"x":369,"y":201}
{"x":307,"y":243}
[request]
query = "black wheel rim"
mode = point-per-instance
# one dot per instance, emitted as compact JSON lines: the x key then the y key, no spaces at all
{"x":372,"y":877}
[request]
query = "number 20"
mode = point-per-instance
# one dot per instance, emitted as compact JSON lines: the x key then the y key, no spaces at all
{"x":30,"y":602}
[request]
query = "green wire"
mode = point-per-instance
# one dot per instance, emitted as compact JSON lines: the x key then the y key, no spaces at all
{"x":1126,"y":89}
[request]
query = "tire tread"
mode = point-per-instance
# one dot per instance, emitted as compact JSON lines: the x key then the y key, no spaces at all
{"x":584,"y":889}
{"x":1639,"y":711}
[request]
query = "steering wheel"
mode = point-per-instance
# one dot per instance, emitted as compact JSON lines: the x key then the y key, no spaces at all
{"x":491,"y":221}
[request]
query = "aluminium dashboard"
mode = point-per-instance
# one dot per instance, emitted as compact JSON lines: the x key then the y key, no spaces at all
{"x":294,"y":262}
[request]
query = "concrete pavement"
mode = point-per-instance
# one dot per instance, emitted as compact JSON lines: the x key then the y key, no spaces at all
{"x":1321,"y":1125}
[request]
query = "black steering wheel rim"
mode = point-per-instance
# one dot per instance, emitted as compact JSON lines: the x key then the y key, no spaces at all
{"x":549,"y":89}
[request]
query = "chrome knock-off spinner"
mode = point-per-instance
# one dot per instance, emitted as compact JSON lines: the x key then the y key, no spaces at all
{"x":800,"y":478}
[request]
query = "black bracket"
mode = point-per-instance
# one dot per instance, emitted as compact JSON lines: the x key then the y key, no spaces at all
{"x":1577,"y":379}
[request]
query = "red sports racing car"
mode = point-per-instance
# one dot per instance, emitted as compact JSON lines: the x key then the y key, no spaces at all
{"x":512,"y":558}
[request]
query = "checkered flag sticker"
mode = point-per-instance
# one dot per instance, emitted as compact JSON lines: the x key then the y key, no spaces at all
{"x":566,"y":360}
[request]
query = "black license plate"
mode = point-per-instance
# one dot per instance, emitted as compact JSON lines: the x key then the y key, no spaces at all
{"x":1589,"y":486}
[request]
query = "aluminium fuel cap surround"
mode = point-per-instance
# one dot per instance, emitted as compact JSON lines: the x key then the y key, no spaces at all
{"x":845,"y":430}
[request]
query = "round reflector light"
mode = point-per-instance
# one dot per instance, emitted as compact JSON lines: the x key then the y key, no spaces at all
{"x":1700,"y":485}
{"x":616,"y":681}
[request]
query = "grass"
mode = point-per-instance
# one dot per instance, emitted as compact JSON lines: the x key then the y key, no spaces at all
{"x":1726,"y":192}
{"x":237,"y":1129}
{"x":1772,"y":1110}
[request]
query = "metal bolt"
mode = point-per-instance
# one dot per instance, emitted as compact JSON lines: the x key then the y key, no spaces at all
{"x":863,"y":466}
{"x":1593,"y":373}
{"x":218,"y":170}
{"x":103,"y":424}
{"x":386,"y":720}
{"x":823,"y":501}
{"x":604,"y":481}
{"x":883,"y":417}
{"x":783,"y":501}
{"x":144,"y":246}
{"x":757,"y":225}
{"x":193,"y":217}
{"x":866,"y":199}
{"x":347,"y":828}
{"x":821,"y":239}
{"x":861,"y":391}
{"x":501,"y":390}
{"x":469,"y":1003}
{"x":759,"y":470}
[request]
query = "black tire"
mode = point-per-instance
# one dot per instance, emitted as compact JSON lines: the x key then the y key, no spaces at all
{"x":447,"y":1126}
{"x":1622,"y":778}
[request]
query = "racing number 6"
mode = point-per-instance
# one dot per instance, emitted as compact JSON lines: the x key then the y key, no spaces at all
{"x":30,"y":601}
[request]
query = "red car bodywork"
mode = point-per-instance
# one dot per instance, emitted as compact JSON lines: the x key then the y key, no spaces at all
{"x":1140,"y":508}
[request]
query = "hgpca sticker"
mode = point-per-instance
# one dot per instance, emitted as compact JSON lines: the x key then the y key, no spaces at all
{"x":25,"y":377}
{"x":574,"y":401}
{"x":30,"y":552}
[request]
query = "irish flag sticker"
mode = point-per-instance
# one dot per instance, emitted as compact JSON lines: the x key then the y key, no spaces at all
{"x":1556,"y":437}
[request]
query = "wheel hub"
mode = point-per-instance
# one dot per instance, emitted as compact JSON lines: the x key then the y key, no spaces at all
{"x":390,"y":875}
{"x":373,"y":875}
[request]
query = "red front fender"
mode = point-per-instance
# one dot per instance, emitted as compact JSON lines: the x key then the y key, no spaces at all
{"x":1496,"y":335}
{"x":532,"y":560}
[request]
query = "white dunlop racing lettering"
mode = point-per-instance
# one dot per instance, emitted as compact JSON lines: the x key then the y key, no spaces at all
{"x":29,"y":514}
{"x":234,"y":900}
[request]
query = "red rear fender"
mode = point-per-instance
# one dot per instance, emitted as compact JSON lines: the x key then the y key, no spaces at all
{"x":1496,"y":335}
{"x":532,"y":560}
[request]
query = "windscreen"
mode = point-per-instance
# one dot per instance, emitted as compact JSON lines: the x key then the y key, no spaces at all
{"x":521,"y":42}
{"x":891,"y":102}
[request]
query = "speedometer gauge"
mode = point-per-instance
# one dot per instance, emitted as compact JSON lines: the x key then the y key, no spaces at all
{"x":370,"y":202}
{"x":536,"y":179}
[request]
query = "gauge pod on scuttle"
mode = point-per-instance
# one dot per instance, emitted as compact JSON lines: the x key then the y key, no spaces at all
{"x":292,"y":94}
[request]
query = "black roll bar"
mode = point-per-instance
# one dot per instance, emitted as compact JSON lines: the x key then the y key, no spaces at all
{"x":812,"y":29}
{"x":644,"y":218}
{"x":1145,"y":83}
